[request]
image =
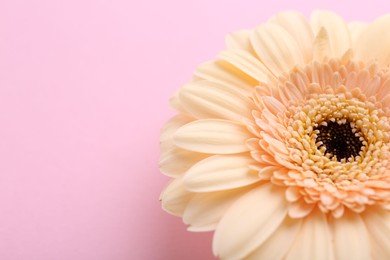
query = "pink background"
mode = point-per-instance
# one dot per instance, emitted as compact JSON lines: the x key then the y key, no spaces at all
{"x":83,"y":92}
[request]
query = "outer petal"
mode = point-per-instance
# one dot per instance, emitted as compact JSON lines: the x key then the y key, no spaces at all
{"x":314,"y":240}
{"x":247,"y":63}
{"x":378,"y":226}
{"x":205,"y":210}
{"x":249,"y":222}
{"x":374,"y":42}
{"x":239,"y":40}
{"x":169,"y":128}
{"x":206,"y":99}
{"x":276,"y":48}
{"x":280,"y":242}
{"x":176,"y":161}
{"x":227,"y":75}
{"x":299,"y":28}
{"x":350,"y":237}
{"x":213,"y":136}
{"x":174,"y":198}
{"x":340,"y":40}
{"x":355,"y":30}
{"x":221,"y":172}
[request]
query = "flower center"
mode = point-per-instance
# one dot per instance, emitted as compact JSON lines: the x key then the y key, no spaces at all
{"x":341,"y":140}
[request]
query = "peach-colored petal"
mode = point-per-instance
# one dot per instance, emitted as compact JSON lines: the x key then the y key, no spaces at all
{"x":169,"y":128}
{"x":175,"y":103}
{"x":276,"y":48}
{"x":175,"y":197}
{"x":205,"y":210}
{"x":355,"y":30}
{"x":293,"y":193}
{"x":246,"y":226}
{"x":378,"y":225}
{"x":221,"y":172}
{"x":373,"y":43}
{"x":336,"y":28}
{"x":314,"y":239}
{"x":205,"y":99}
{"x":321,"y":46}
{"x":279,"y":243}
{"x":300,"y":209}
{"x":299,"y":28}
{"x":350,"y":237}
{"x":239,"y":40}
{"x":176,"y":161}
{"x":213,"y":136}
{"x":247,"y":64}
{"x":225,"y":74}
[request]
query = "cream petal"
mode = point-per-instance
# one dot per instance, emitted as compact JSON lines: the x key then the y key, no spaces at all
{"x":175,"y":197}
{"x":249,"y":222}
{"x":221,"y":172}
{"x":247,"y":63}
{"x":314,"y":239}
{"x":239,"y":40}
{"x":205,"y":99}
{"x":378,"y":226}
{"x":225,"y":74}
{"x":279,"y":242}
{"x":299,"y":28}
{"x":350,"y":237}
{"x":355,"y":30}
{"x":169,"y":128}
{"x":321,"y":48}
{"x":373,"y":43}
{"x":214,"y":136}
{"x":276,"y":48}
{"x":177,"y":161}
{"x":175,"y":103}
{"x":205,"y":210}
{"x":339,"y":37}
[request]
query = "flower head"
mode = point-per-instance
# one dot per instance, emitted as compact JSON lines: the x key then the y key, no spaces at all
{"x":281,"y":145}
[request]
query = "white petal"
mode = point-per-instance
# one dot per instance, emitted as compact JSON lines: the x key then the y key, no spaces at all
{"x":374,"y":42}
{"x":249,"y":222}
{"x":225,"y":74}
{"x":205,"y":99}
{"x":336,"y":28}
{"x":176,"y":161}
{"x":247,"y":63}
{"x":299,"y":28}
{"x":279,"y":243}
{"x":239,"y":40}
{"x":378,"y":226}
{"x":314,"y":240}
{"x":213,"y":136}
{"x":276,"y":48}
{"x":221,"y":172}
{"x":205,"y":210}
{"x":350,"y":237}
{"x":175,"y":197}
{"x":169,"y":128}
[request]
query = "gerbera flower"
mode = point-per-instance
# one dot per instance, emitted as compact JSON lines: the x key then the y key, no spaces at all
{"x":281,"y":145}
